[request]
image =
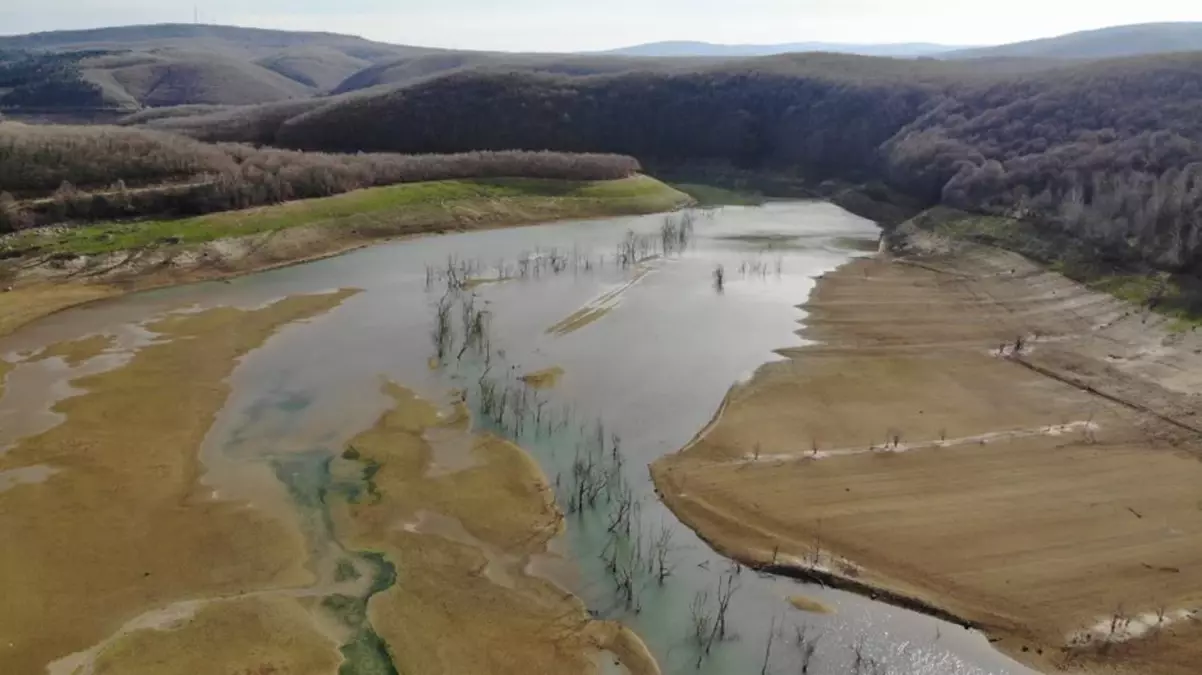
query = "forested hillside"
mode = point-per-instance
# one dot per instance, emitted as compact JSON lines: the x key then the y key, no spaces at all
{"x":51,"y":174}
{"x":1109,"y":150}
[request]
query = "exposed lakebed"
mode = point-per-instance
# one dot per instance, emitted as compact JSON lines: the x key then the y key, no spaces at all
{"x":643,"y":345}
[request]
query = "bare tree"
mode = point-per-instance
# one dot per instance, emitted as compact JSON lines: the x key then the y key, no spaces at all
{"x":806,"y":646}
{"x":661,"y":550}
{"x":768,"y":646}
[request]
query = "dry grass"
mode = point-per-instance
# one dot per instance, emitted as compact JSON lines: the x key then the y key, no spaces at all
{"x":320,"y":68}
{"x":20,"y":306}
{"x":76,"y":352}
{"x":987,"y":507}
{"x":124,"y":527}
{"x":249,"y":636}
{"x":205,"y":78}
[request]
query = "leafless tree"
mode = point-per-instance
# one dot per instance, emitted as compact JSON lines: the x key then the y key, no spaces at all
{"x":768,"y":646}
{"x":661,"y":551}
{"x":806,"y":646}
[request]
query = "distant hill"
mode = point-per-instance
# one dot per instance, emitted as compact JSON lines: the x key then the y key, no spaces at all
{"x":1134,"y":40}
{"x":685,"y":48}
{"x":130,"y":67}
{"x":415,"y":69}
{"x":225,"y":38}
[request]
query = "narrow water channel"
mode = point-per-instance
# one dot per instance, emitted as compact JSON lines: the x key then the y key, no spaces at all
{"x":647,"y":348}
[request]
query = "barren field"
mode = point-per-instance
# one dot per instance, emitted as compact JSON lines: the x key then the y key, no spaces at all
{"x":1051,"y":495}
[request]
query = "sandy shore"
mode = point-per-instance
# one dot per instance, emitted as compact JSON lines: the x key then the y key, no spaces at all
{"x":1050,"y":497}
{"x":121,"y":526}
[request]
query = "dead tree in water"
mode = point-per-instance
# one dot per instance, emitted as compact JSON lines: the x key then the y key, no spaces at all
{"x":858,"y":659}
{"x":701,"y":621}
{"x":443,"y":332}
{"x":661,"y":548}
{"x":768,"y":646}
{"x":806,"y":647}
{"x":727,"y":585}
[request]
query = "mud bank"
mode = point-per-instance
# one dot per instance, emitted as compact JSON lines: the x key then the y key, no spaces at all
{"x":912,"y":454}
{"x":462,"y":543}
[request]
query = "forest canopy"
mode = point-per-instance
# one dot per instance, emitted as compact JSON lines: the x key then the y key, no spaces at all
{"x":1108,"y":150}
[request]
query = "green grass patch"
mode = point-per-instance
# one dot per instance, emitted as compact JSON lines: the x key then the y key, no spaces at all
{"x":1173,"y":296}
{"x":433,"y":204}
{"x":1117,"y":273}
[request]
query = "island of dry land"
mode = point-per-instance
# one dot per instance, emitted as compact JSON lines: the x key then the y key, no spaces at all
{"x":1048,"y":494}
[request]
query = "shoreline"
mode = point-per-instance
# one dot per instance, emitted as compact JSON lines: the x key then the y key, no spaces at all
{"x":464,"y":562}
{"x":706,"y":483}
{"x":40,"y":289}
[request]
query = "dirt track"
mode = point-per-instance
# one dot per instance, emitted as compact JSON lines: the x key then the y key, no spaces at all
{"x":1039,"y":494}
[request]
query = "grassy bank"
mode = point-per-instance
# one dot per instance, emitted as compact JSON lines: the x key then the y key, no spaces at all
{"x":438,"y":204}
{"x":55,"y":269}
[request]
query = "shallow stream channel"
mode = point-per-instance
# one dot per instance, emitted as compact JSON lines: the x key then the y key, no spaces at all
{"x":629,"y":332}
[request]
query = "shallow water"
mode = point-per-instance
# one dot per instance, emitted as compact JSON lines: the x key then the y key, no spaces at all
{"x":651,"y":370}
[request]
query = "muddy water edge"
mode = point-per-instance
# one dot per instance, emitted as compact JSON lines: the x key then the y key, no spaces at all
{"x":645,"y":327}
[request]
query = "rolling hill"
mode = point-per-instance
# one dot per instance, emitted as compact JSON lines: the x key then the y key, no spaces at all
{"x":413,"y":70}
{"x":198,"y":36}
{"x":129,"y":67}
{"x":688,"y":48}
{"x":1133,"y":40}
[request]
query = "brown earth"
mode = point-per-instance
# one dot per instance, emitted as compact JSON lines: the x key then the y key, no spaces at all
{"x":123,"y":526}
{"x":75,"y":352}
{"x":462,"y":543}
{"x":546,"y":378}
{"x":22,"y":305}
{"x":248,"y":636}
{"x":1034,"y":494}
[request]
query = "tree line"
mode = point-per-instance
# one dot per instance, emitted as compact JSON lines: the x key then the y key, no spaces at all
{"x":101,"y":173}
{"x":1107,"y":151}
{"x":46,"y":80}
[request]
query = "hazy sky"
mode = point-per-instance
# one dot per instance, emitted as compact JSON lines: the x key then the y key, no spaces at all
{"x":577,"y":25}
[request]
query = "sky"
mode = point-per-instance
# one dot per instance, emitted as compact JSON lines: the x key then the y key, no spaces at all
{"x":583,"y":25}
